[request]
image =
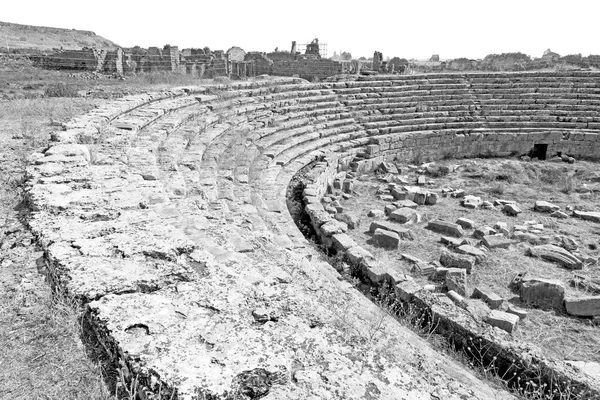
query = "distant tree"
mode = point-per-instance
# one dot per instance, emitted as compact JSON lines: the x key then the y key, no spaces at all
{"x":362,"y":59}
{"x":398,"y":63}
{"x":345,"y":55}
{"x":593,"y":60}
{"x":575,"y":59}
{"x":506,"y":61}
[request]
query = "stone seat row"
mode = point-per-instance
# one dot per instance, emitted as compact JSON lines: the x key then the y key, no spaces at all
{"x":402,"y":114}
{"x":469,"y":126}
{"x":382,"y":120}
{"x":513,"y":76}
{"x":442,"y":95}
{"x":534,"y":87}
{"x":425,"y":103}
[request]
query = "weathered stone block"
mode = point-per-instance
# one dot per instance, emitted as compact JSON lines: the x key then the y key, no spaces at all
{"x":522,"y":314}
{"x":419,"y":198}
{"x":392,"y":227}
{"x":465,"y":223}
{"x":356,"y":255}
{"x":556,"y":254}
{"x":559,"y":215}
{"x":423,"y":269}
{"x":445,"y":227}
{"x":479,"y":233}
{"x":332,"y":227}
{"x":405,"y":204}
{"x":376,"y":214}
{"x":348,"y":187}
{"x":412,"y":259}
{"x":431,"y":198}
{"x":456,"y":279}
{"x":542,"y":292}
{"x":456,"y":298}
{"x":491,"y":298}
{"x":406,"y":290}
{"x":470,"y":201}
{"x":450,"y":241}
{"x":404,"y":215}
{"x":389,"y":208}
{"x":453,"y":260}
{"x":351,"y":220}
{"x":399,"y":194}
{"x":386,"y":238}
{"x":512,"y":209}
{"x":544,"y":206}
{"x":342,"y":242}
{"x":588,"y":306}
{"x":589,"y":216}
{"x":502,"y":320}
{"x":467,"y":249}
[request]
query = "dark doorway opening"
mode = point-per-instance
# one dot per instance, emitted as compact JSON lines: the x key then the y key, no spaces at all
{"x":539,"y":151}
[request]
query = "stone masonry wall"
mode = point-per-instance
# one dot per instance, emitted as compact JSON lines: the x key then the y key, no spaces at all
{"x":307,"y":68}
{"x":443,"y":144}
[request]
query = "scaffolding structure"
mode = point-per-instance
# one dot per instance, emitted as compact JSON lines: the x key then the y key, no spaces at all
{"x":322,"y":48}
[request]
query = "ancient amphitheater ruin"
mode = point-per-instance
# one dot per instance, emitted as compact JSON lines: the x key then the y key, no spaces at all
{"x":166,"y":213}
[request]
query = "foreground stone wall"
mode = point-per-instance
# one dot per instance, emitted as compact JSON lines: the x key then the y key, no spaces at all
{"x":173,"y":229}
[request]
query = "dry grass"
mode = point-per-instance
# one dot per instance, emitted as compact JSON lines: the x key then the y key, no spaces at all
{"x":43,"y":353}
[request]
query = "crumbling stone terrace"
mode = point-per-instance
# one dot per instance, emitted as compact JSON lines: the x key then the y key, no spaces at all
{"x":172,"y":225}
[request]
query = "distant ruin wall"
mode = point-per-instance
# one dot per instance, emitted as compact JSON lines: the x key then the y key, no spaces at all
{"x":196,"y":62}
{"x":84,"y":60}
{"x":306,"y":68}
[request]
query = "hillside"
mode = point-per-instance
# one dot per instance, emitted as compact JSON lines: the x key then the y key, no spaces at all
{"x":16,"y":36}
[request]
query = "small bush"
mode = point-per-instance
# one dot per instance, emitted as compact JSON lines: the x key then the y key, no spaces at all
{"x":438,"y":170}
{"x":550,"y":176}
{"x":497,"y":188}
{"x":60,"y":90}
{"x":418,"y":159}
{"x":567,"y":184}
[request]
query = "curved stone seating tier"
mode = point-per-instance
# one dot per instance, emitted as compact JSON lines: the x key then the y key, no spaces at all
{"x":173,"y":228}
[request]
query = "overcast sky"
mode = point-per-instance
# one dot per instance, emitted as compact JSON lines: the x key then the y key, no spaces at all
{"x":409,"y":29}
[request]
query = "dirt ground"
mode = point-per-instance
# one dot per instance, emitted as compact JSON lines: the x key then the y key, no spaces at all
{"x":575,"y":185}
